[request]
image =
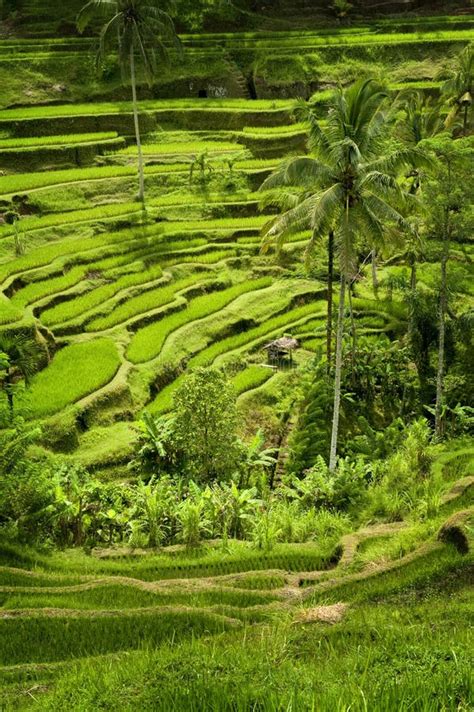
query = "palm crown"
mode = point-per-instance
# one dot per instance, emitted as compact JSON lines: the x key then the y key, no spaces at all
{"x":138,"y":28}
{"x":458,"y":88}
{"x":348,"y":185}
{"x":142,"y":26}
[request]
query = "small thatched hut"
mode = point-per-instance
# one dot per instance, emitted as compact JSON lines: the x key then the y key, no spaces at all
{"x":281,"y":350}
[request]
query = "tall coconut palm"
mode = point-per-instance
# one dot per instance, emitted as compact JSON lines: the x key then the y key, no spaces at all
{"x":349,"y":187}
{"x":141,"y":30}
{"x":458,"y":88}
{"x":448,"y":199}
{"x":418,"y":118}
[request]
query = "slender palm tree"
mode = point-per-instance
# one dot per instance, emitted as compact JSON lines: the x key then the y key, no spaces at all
{"x":141,"y":30}
{"x":418,"y":117}
{"x":458,"y":88}
{"x":348,"y":187}
{"x":449,"y":204}
{"x":19,"y":359}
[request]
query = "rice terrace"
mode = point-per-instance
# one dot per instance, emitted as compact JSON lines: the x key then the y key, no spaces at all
{"x":236,"y":355}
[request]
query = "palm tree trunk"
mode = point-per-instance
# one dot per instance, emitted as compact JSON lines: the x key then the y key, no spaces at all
{"x":375,"y":281}
{"x":353,"y":328}
{"x":413,"y":283}
{"x":442,"y":333}
{"x":9,"y":392}
{"x":337,"y":375}
{"x":329,"y":300}
{"x":141,"y":176}
{"x":413,"y":274}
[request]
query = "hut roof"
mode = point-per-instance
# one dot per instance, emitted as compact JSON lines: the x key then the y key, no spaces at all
{"x":284,"y":343}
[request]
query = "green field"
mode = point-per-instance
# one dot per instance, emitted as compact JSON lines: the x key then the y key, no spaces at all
{"x":236,"y":455}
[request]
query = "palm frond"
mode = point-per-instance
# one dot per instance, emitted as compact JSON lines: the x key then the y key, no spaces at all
{"x":303,"y":172}
{"x":386,"y":213}
{"x":93,"y":9}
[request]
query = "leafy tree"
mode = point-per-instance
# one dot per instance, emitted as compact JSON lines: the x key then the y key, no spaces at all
{"x":341,"y":8}
{"x":139,"y":29}
{"x":320,"y":488}
{"x":12,"y":217}
{"x":419,"y":118}
{"x":202,"y":166}
{"x":19,"y":360}
{"x":205,"y":425}
{"x":312,"y":433}
{"x":349,"y":186}
{"x":229,"y":508}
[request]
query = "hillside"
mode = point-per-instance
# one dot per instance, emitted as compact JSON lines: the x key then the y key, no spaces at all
{"x":152,"y":559}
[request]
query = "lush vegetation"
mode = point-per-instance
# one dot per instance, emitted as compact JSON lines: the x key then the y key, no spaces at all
{"x":235,"y":356}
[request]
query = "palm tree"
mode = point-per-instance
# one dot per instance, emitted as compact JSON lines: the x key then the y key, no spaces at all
{"x":458,"y":88}
{"x":449,"y":203}
{"x":19,"y":359}
{"x":418,"y":118}
{"x":139,"y":29}
{"x":348,"y":187}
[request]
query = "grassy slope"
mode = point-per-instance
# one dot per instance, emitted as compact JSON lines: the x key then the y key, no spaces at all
{"x":121,"y":633}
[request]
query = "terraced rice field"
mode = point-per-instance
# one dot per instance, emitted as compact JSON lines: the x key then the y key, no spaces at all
{"x":59,"y":609}
{"x":126,"y":300}
{"x":145,"y":295}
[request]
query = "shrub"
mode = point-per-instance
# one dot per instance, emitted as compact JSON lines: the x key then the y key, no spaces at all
{"x":343,"y":490}
{"x":265,"y":531}
{"x":192,"y":523}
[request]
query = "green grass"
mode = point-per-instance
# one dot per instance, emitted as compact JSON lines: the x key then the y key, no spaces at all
{"x":9,"y":312}
{"x":24,"y":182}
{"x":251,"y":377}
{"x":69,"y":310}
{"x":206,"y":356}
{"x":35,"y":291}
{"x":301,"y":42}
{"x":66,"y":140}
{"x":186,"y":147}
{"x":147,"y":342}
{"x":75,"y":247}
{"x":74,"y":372}
{"x":235,"y":341}
{"x":208,"y":560}
{"x":74,"y":217}
{"x":116,"y":597}
{"x":44,"y":639}
{"x":120,"y":107}
{"x":276,"y":131}
{"x":405,"y":653}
